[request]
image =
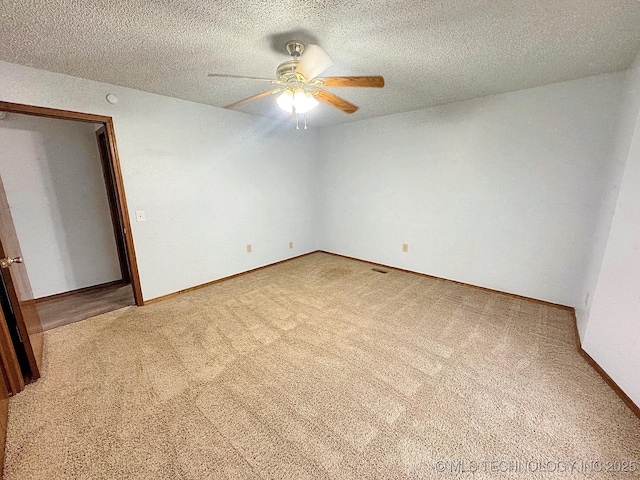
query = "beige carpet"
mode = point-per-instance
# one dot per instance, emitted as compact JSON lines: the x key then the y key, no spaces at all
{"x":319,"y":368}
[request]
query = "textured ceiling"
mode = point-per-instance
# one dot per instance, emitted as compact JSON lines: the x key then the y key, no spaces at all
{"x":430,"y":52}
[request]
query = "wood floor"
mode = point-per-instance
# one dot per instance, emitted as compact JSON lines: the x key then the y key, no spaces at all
{"x":59,"y":311}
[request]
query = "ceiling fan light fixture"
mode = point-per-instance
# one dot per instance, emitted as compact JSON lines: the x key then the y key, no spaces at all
{"x":303,"y":101}
{"x":285,"y":101}
{"x":296,"y":100}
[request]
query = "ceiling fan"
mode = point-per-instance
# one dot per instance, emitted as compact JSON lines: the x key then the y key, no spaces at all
{"x":299,"y":85}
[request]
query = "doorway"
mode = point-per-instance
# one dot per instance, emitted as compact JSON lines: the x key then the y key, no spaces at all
{"x":73,"y":305}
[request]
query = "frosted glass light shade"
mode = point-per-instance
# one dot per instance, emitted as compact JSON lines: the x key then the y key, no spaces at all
{"x":304,"y":101}
{"x":297,"y":99}
{"x":285,"y":101}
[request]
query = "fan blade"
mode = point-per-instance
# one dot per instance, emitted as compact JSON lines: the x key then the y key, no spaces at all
{"x":313,"y":62}
{"x":255,"y":97}
{"x":334,"y":101}
{"x":223,"y":75}
{"x":374,"y":81}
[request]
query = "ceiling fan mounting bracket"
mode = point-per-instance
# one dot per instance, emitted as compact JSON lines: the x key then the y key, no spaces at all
{"x":295,"y":48}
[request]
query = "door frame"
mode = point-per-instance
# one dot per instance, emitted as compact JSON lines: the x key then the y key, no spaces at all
{"x":11,"y":372}
{"x":109,"y":179}
{"x":114,"y":161}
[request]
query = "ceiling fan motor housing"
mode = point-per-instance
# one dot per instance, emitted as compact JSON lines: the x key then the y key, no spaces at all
{"x":286,"y":71}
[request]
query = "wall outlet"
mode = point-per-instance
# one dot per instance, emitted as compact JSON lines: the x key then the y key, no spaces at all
{"x":586,"y":300}
{"x":249,"y":249}
{"x":405,"y":247}
{"x":290,"y":244}
{"x":140,"y":217}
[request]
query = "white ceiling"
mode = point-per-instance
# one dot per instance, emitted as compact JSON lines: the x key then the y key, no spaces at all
{"x":430,"y":52}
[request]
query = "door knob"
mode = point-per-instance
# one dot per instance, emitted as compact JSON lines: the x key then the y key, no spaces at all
{"x":7,"y":262}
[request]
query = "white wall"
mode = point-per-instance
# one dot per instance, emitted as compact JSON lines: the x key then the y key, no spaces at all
{"x":501,"y":191}
{"x":612,"y":336}
{"x":624,"y":133}
{"x":52,"y":176}
{"x":210,"y":180}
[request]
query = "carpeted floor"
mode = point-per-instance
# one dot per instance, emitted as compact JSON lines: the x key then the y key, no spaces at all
{"x":320,"y":368}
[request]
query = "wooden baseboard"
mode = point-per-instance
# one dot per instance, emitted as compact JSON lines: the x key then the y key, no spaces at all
{"x":213,"y":282}
{"x":79,"y":290}
{"x":521,"y":297}
{"x":625,"y":398}
{"x":605,"y":376}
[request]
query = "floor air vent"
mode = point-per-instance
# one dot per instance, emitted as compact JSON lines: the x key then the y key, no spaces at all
{"x":379,"y":270}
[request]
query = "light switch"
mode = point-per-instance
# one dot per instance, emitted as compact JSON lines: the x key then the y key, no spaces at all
{"x":140,"y":216}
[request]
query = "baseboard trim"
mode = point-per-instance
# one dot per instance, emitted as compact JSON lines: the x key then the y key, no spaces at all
{"x":79,"y":290}
{"x":213,"y":282}
{"x":614,"y":386}
{"x":605,"y":376}
{"x":514,"y":295}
